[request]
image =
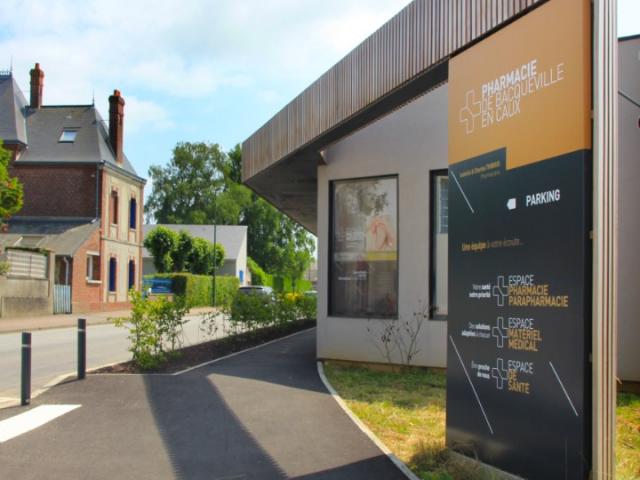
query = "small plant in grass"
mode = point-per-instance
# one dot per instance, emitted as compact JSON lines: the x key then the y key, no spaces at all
{"x":155,"y":329}
{"x":397,"y":340}
{"x":628,"y":437}
{"x":4,"y":267}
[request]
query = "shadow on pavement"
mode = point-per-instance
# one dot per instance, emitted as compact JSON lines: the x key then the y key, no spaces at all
{"x":203,"y":437}
{"x":263,"y":414}
{"x":288,"y":363}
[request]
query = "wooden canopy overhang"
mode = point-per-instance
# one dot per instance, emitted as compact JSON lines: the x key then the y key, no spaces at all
{"x":407,"y":56}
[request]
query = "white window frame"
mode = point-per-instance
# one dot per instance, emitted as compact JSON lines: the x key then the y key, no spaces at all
{"x":90,"y":271}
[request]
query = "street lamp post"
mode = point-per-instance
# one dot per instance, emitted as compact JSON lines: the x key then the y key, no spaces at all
{"x":215,"y":226}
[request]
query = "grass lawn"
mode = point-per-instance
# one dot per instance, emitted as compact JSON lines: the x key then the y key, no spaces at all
{"x":407,"y":412}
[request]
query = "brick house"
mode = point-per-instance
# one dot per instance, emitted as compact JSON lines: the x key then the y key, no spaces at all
{"x":78,"y":184}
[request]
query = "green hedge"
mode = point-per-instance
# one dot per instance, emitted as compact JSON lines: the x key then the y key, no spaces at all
{"x":226,"y":289}
{"x":285,"y":285}
{"x":197,"y":290}
{"x":258,"y":275}
{"x":303,"y":285}
{"x":280,"y":283}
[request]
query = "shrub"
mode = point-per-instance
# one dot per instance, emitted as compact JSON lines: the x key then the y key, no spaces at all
{"x":161,"y":242}
{"x":282,"y":284}
{"x":180,"y":252}
{"x":307,"y":307}
{"x":226,"y":289}
{"x":286,"y":308}
{"x":155,"y":329}
{"x":258,"y":275}
{"x":303,"y":285}
{"x":4,"y":267}
{"x":204,"y":255}
{"x":249,"y":312}
{"x":197,"y":290}
{"x":253,"y":311}
{"x":169,"y":317}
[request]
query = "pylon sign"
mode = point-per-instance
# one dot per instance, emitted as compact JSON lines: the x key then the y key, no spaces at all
{"x":518,"y":393}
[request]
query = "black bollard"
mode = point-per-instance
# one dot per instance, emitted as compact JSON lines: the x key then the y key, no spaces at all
{"x":25,"y":394}
{"x":82,"y":348}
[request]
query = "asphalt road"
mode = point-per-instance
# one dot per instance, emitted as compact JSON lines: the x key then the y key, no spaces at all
{"x":262,"y":414}
{"x":54,"y":353}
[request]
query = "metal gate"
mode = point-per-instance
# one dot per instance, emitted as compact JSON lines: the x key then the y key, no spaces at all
{"x":62,"y":299}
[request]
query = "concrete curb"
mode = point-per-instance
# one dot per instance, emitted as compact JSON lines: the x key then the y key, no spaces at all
{"x":215,"y":360}
{"x":396,"y":461}
{"x":204,"y":364}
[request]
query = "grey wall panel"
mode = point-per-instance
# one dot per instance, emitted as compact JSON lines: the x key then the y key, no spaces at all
{"x":628,"y":217}
{"x":409,"y":142}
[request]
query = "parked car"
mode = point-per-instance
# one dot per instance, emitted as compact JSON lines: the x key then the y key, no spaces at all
{"x":255,"y":290}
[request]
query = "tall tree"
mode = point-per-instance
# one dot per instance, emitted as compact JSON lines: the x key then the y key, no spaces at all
{"x":184,"y":191}
{"x":209,"y":191}
{"x":11,"y":193}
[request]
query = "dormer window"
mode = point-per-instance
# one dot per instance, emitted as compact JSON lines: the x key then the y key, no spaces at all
{"x":68,"y":135}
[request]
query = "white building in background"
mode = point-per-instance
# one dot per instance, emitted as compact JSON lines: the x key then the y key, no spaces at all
{"x":233,"y":239}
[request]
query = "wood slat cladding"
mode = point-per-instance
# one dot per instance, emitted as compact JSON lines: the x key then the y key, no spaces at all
{"x":423,"y":34}
{"x":605,"y":236}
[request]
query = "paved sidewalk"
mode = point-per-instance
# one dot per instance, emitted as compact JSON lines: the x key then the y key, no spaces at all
{"x":42,"y":322}
{"x":262,"y":414}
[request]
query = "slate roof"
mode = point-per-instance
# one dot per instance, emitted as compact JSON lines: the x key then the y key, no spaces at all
{"x":229,"y":236}
{"x":40,"y":130}
{"x":64,"y":236}
{"x":12,"y":106}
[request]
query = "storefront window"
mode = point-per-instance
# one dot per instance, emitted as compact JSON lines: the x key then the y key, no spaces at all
{"x":364,"y":253}
{"x":439,"y":245}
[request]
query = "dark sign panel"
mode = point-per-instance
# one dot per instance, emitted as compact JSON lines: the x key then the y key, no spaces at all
{"x":519,"y":248}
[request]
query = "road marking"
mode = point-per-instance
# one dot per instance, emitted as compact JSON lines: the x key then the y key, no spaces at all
{"x":27,"y":421}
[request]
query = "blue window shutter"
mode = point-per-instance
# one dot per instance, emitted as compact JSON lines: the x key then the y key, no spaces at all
{"x":133,"y":207}
{"x":113,"y":270}
{"x":132,"y":274}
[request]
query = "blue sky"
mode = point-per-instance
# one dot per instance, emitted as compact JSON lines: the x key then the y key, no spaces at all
{"x":196,"y":70}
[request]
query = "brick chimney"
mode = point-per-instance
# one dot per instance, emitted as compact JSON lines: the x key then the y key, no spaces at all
{"x":37,"y":85}
{"x":116,"y":124}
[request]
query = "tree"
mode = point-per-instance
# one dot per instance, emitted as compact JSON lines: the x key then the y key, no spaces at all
{"x":204,"y":256}
{"x":161,"y":242}
{"x":201,"y":185}
{"x":11,"y":192}
{"x":184,"y":191}
{"x":182,"y":250}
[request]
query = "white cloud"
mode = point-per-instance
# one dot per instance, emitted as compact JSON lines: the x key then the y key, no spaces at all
{"x":181,"y":49}
{"x":145,"y":115}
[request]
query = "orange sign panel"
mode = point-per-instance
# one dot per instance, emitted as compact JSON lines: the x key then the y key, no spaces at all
{"x":526,"y":88}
